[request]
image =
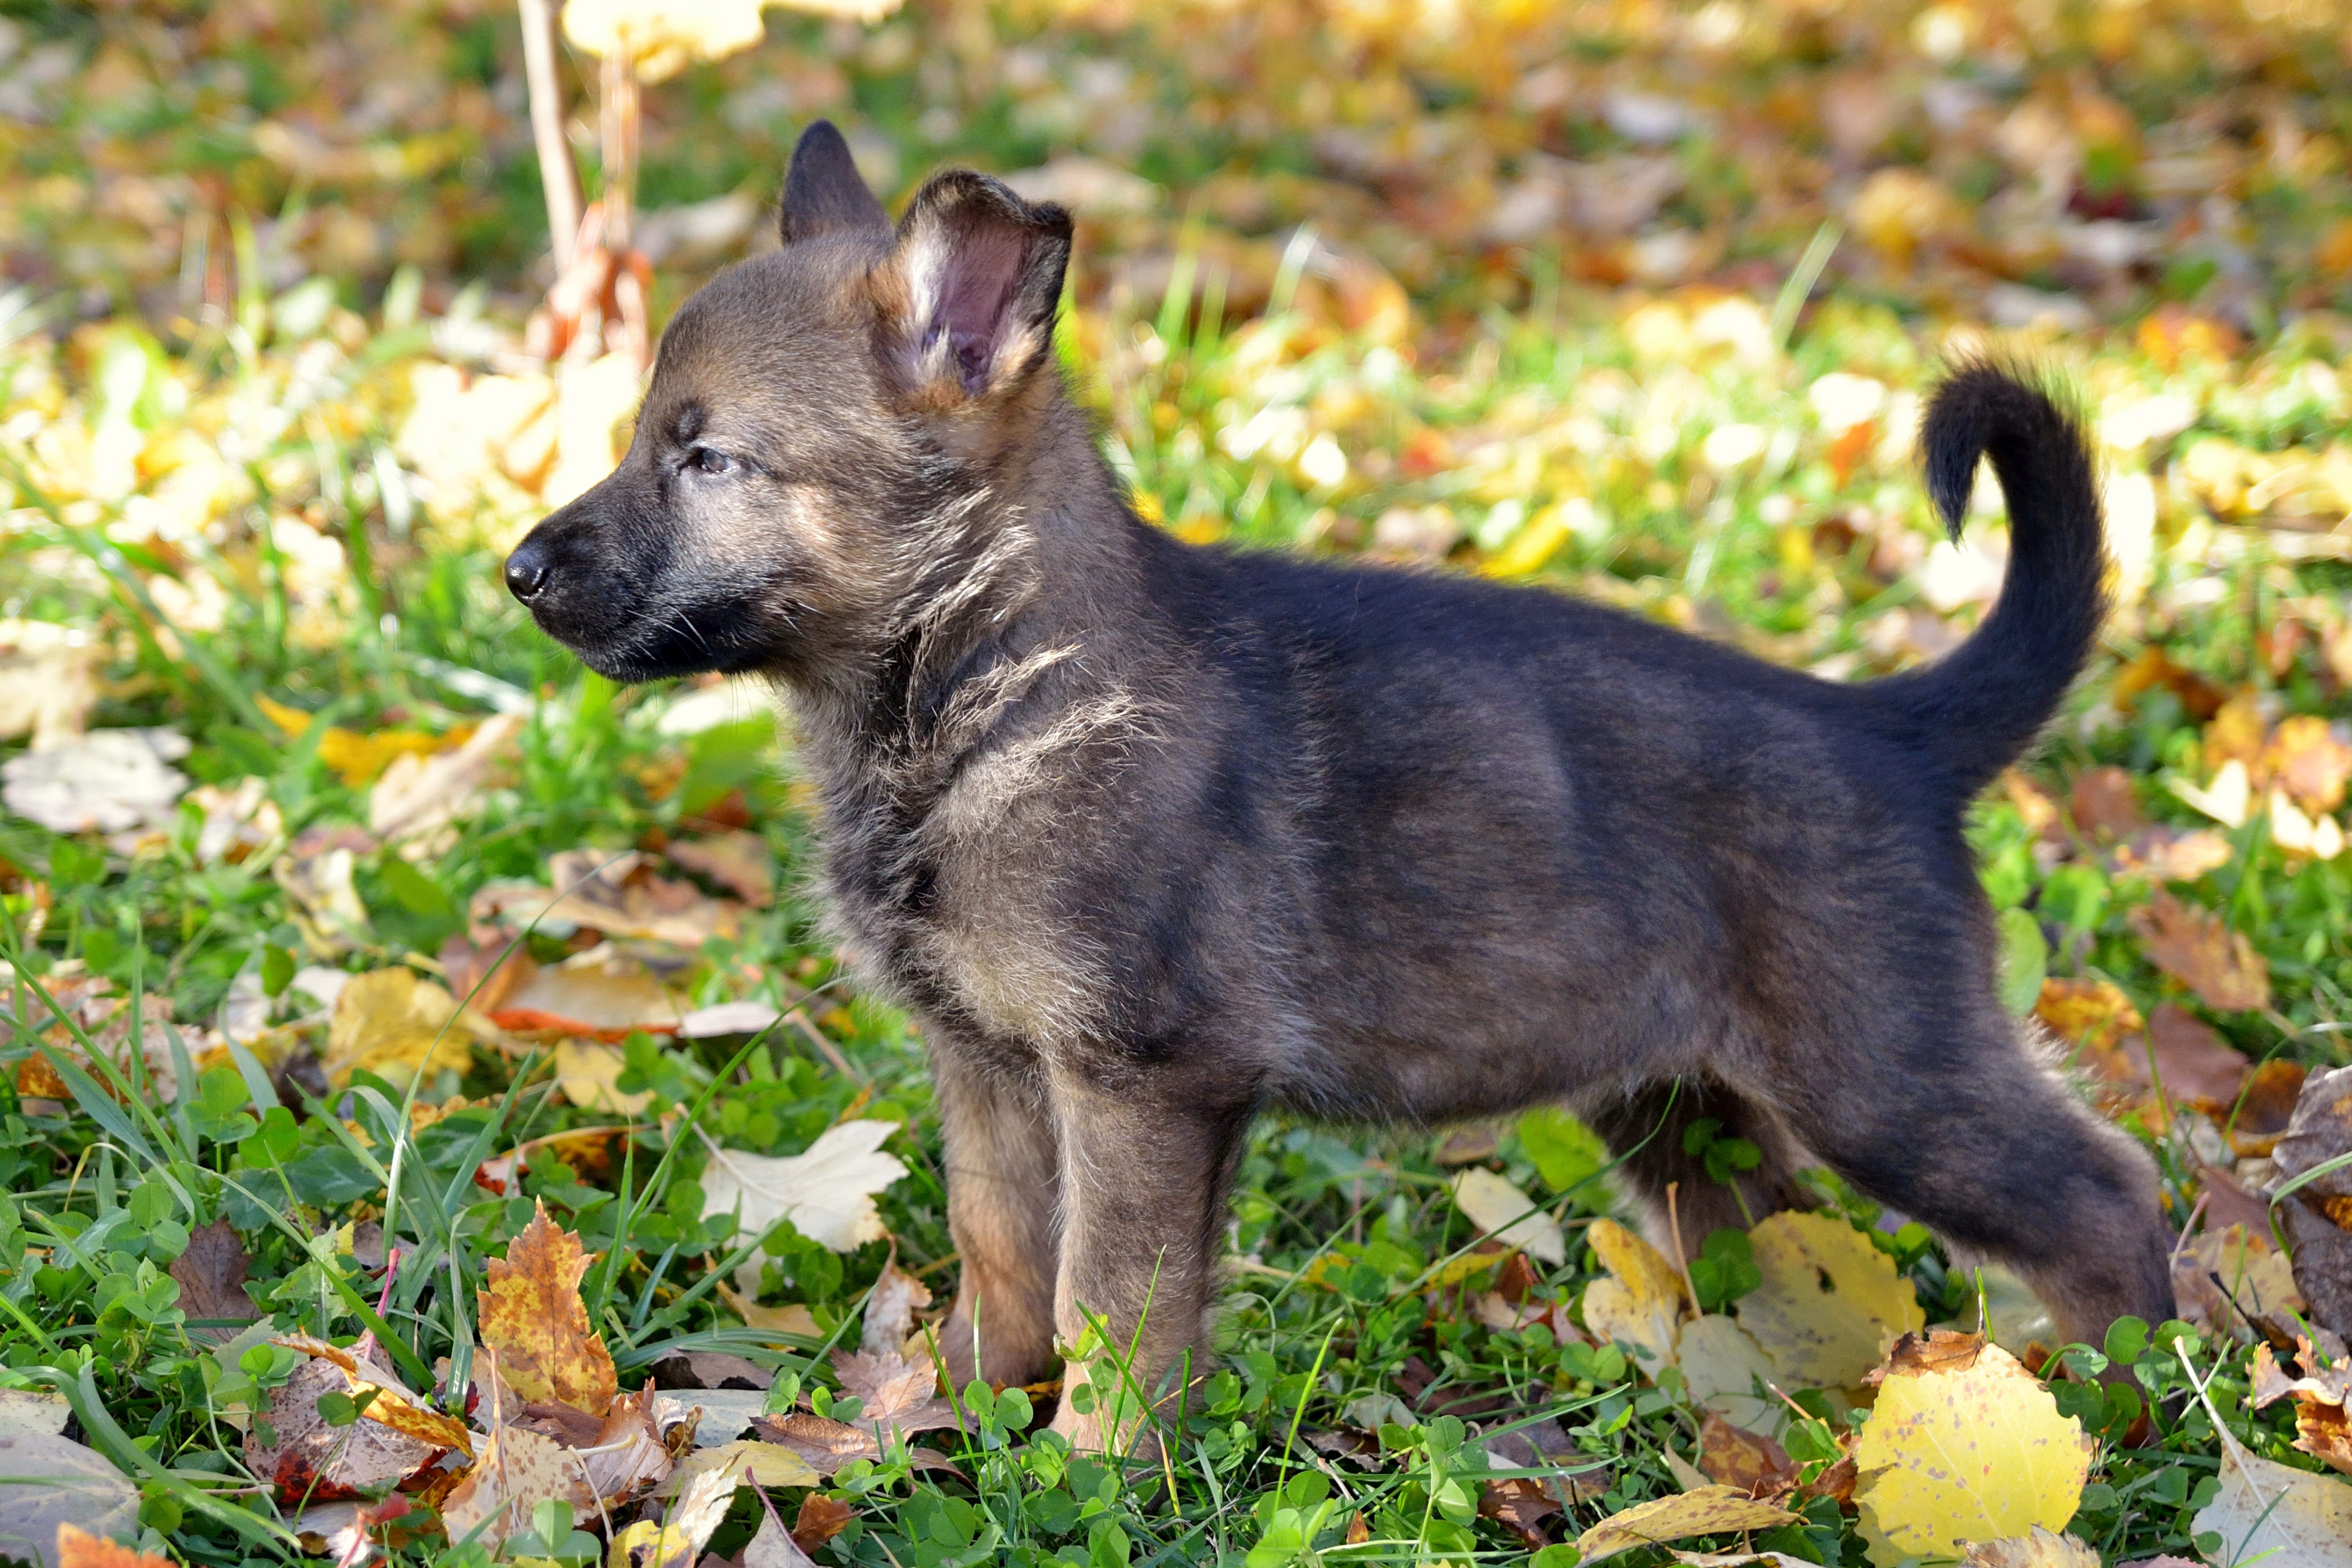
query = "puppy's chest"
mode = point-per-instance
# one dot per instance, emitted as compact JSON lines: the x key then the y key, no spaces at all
{"x":968,"y":933}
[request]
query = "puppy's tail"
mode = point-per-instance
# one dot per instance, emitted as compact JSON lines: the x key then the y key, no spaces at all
{"x":1977,"y":710}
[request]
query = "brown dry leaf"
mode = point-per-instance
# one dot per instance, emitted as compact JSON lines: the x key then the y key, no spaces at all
{"x":211,"y":1276}
{"x":2264,"y":1107}
{"x":2308,"y":758}
{"x":2103,"y":804}
{"x":1937,"y":1350}
{"x":890,"y":1310}
{"x":2318,"y":1214}
{"x":1825,"y":1335}
{"x":771,"y":1546}
{"x":615,"y":893}
{"x":1736,"y":1457}
{"x":531,"y":1315}
{"x":825,"y":1445}
{"x":2169,"y":854}
{"x":305,"y":1458}
{"x":420,"y":793}
{"x":2044,"y":1548}
{"x":897,"y":1393}
{"x":2197,"y":947}
{"x":395,"y":1024}
{"x":517,"y":1470}
{"x":1710,"y":1511}
{"x":1520,"y":1505}
{"x":2188,"y":1060}
{"x":768,"y":1465}
{"x":2320,"y":1397}
{"x":79,"y":1549}
{"x":738,"y":862}
{"x":626,"y":1455}
{"x":602,"y":994}
{"x":2273,"y":1514}
{"x":2224,"y":1276}
{"x":820,"y":1519}
{"x":2092,"y":1012}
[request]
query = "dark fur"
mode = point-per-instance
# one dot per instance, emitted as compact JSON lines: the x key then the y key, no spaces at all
{"x":1153,"y":837}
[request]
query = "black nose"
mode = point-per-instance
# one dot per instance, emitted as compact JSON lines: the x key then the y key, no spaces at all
{"x":528,"y":570}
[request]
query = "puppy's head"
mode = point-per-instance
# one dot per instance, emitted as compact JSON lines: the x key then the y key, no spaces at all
{"x":814,"y":413}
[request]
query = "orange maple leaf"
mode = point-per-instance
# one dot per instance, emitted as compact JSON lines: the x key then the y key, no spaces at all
{"x":80,"y":1549}
{"x":532,"y":1315}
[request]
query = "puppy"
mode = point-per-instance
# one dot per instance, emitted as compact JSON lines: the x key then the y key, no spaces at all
{"x":1152,"y":837}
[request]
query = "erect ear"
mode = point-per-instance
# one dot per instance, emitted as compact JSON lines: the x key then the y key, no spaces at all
{"x":822,"y":193}
{"x":970,"y":293}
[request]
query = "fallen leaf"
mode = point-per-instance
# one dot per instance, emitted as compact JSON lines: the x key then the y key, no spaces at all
{"x":108,"y":781}
{"x":419,"y":792}
{"x":59,"y":1482}
{"x":358,"y":759}
{"x":2197,"y":947}
{"x":27,"y":1411}
{"x":896,"y":1392}
{"x":2187,"y":1060}
{"x":723,"y":1018}
{"x":2309,"y":759}
{"x":395,"y":1023}
{"x":588,"y":1073}
{"x":2317,"y":1214}
{"x":793,"y":1319}
{"x":625,"y":1457}
{"x":720,"y":1415}
{"x":2265,"y":1105}
{"x":1954,"y":1453}
{"x":771,"y":1546}
{"x":1937,"y":1350}
{"x":1500,"y":1209}
{"x":2103,"y":804}
{"x":1737,"y":1457}
{"x":1641,"y":1302}
{"x":1723,"y":1367}
{"x":238,"y":821}
{"x":827,"y":1191}
{"x":1711,"y":1510}
{"x":306,"y":1458}
{"x":2043,"y":1548}
{"x":738,"y":862}
{"x":2168,"y":854}
{"x":211,"y":1275}
{"x":532,"y":1316}
{"x":2280,"y":1517}
{"x":602,"y":994}
{"x":2091,"y":1012}
{"x":79,"y":1549}
{"x":821,"y":1519}
{"x":768,"y":1464}
{"x":515,"y":1471}
{"x":2223,"y":1276}
{"x":2320,"y":1397}
{"x":2227,"y":800}
{"x":890,"y":1310}
{"x":1830,"y":1303}
{"x":702,"y":1369}
{"x":615,"y":893}
{"x":1519,"y":1505}
{"x":48,"y":680}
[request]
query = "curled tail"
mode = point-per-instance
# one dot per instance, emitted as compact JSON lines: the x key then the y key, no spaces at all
{"x":1977,"y":710}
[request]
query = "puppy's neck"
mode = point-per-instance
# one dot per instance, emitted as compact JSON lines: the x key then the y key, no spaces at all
{"x":1023,"y":590}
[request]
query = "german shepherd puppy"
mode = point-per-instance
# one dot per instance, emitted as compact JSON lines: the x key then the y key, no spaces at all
{"x":1152,"y":837}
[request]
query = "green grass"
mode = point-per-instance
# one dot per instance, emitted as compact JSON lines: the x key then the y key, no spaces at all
{"x":1570,"y":403}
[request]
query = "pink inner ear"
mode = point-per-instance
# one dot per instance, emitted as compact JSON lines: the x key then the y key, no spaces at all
{"x":974,"y":289}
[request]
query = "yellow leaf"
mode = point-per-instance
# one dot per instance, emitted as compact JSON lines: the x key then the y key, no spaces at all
{"x":2044,"y":1548}
{"x":518,"y":1470}
{"x":1722,"y":1364}
{"x":1825,"y":1337}
{"x":531,"y":1315}
{"x":393,"y":1023}
{"x":1709,"y":1510}
{"x":768,"y":1465}
{"x":1641,"y":1302}
{"x":585,"y":1071}
{"x":1959,"y":1449}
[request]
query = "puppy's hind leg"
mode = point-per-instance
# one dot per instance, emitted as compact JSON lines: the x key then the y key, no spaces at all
{"x":1943,"y":1114}
{"x":1650,"y":1131}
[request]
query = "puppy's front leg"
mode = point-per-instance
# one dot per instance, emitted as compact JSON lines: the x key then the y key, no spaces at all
{"x":1147,"y":1155}
{"x":1003,"y":1187}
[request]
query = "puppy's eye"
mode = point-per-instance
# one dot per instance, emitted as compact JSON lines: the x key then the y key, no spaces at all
{"x":708,"y":460}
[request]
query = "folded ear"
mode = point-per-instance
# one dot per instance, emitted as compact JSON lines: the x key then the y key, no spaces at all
{"x":971,"y":289}
{"x":824,"y":194}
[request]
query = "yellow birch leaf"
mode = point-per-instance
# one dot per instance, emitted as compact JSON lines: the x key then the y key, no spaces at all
{"x":1641,"y":1302}
{"x":1709,"y":1510}
{"x":1956,"y":1453}
{"x":1825,"y":1336}
{"x":2044,"y":1548}
{"x":768,"y":1465}
{"x":586,"y":1071}
{"x":532,"y":1316}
